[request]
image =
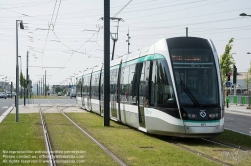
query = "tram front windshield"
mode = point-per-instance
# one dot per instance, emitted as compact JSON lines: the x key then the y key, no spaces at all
{"x":195,"y":77}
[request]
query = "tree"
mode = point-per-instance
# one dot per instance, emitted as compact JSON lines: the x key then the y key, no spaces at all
{"x":22,"y":82}
{"x":247,"y":78}
{"x":47,"y":88}
{"x":226,"y":60}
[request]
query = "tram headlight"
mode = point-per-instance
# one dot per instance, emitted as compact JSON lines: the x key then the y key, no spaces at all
{"x":191,"y":116}
{"x":212,"y":116}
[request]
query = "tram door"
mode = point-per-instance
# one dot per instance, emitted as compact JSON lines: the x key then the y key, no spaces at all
{"x":144,"y":71}
{"x":83,"y":92}
{"x":102,"y":94}
{"x":113,"y":92}
{"x":88,"y":96}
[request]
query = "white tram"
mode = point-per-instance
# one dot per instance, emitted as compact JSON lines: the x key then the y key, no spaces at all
{"x":172,"y":87}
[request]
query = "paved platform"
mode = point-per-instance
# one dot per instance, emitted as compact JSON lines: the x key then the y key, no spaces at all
{"x":238,"y":109}
{"x":47,"y":108}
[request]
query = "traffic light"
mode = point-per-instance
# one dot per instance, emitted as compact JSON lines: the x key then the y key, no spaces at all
{"x":228,"y":77}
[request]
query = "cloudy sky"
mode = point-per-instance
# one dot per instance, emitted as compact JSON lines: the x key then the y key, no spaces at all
{"x":64,"y":37}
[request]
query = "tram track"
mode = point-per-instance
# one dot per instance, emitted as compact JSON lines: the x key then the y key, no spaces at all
{"x":47,"y":139}
{"x":230,"y":154}
{"x":201,"y":154}
{"x":181,"y":144}
{"x":106,"y":150}
{"x":178,"y":142}
{"x":224,"y":144}
{"x":49,"y":149}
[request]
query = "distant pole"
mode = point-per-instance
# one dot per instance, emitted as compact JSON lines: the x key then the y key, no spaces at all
{"x":106,"y":62}
{"x":37,"y":88}
{"x":41,"y":92}
{"x":186,"y":31}
{"x":11,"y":85}
{"x":27,"y":75}
{"x":17,"y":73}
{"x":45,"y":84}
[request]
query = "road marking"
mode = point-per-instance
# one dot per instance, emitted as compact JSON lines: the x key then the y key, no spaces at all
{"x":5,"y":113}
{"x":5,"y":107}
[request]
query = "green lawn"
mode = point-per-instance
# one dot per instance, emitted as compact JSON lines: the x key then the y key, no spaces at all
{"x":24,"y":137}
{"x":65,"y":137}
{"x":134,"y":147}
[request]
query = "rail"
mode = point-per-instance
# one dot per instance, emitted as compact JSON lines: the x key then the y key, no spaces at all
{"x":47,"y":140}
{"x":107,"y":151}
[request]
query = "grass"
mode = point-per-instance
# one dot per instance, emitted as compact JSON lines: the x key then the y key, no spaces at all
{"x":65,"y":137}
{"x":220,"y":152}
{"x":235,"y":138}
{"x":25,"y":135}
{"x":134,"y":147}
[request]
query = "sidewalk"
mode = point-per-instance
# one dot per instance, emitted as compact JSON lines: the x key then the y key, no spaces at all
{"x":237,"y":109}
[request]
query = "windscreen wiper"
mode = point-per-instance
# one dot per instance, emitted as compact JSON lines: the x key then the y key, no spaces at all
{"x":189,"y":94}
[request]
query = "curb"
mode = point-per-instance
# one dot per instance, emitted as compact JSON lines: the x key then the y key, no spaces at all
{"x":5,"y":113}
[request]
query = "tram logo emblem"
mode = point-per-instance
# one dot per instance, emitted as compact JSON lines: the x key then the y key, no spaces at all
{"x":203,"y":113}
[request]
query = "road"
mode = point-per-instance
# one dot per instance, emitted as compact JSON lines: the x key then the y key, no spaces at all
{"x":240,"y":122}
{"x":5,"y":104}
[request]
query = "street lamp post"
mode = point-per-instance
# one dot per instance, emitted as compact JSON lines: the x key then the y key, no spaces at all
{"x":17,"y":67}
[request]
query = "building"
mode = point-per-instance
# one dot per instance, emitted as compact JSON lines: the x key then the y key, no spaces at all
{"x":5,"y":86}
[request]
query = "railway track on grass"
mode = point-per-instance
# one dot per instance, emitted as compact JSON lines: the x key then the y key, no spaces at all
{"x":107,"y":151}
{"x":51,"y":160}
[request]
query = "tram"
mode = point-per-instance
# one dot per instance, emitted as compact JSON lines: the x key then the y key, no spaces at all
{"x":172,"y":87}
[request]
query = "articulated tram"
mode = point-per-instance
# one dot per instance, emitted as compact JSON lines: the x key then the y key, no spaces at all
{"x":172,"y":88}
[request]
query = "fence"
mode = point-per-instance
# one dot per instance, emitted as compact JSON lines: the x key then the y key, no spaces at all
{"x":239,"y":99}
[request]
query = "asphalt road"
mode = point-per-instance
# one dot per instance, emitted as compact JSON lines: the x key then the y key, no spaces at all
{"x":240,"y":122}
{"x":5,"y":104}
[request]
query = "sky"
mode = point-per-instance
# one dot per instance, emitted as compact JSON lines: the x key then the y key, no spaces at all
{"x":65,"y":37}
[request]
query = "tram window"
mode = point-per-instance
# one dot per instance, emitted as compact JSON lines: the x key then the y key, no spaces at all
{"x":79,"y":87}
{"x":132,"y":72}
{"x":102,"y":85}
{"x":83,"y":86}
{"x":113,"y":84}
{"x":85,"y":90}
{"x":144,"y":70}
{"x":161,"y":86}
{"x":124,"y":83}
{"x":94,"y":85}
{"x":88,"y":88}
